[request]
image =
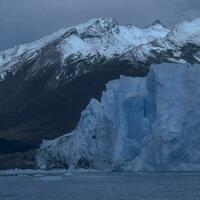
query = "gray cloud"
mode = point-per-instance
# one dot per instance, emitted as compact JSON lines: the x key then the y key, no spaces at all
{"x":26,"y":20}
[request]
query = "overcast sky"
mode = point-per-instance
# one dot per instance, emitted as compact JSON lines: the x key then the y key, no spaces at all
{"x":26,"y":20}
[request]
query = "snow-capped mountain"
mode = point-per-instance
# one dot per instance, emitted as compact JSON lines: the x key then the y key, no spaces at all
{"x":42,"y":82}
{"x":104,"y":39}
{"x":140,"y":124}
{"x":96,"y":39}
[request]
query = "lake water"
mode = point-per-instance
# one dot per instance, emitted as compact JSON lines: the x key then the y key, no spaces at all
{"x":100,"y":186}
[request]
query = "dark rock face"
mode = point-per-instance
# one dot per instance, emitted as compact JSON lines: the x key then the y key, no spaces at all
{"x":33,"y":112}
{"x":11,"y":146}
{"x":18,"y":160}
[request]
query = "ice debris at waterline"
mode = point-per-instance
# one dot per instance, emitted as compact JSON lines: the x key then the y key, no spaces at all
{"x":146,"y":124}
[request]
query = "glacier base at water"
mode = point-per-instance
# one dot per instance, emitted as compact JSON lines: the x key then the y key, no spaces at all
{"x":140,"y":124}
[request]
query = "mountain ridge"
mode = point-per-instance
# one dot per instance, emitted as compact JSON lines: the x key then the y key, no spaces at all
{"x":140,"y":124}
{"x":42,"y":84}
{"x":98,"y":26}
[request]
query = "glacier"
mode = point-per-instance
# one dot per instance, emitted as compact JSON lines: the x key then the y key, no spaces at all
{"x":140,"y":124}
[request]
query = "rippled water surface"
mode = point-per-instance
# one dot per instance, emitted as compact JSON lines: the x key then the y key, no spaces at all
{"x":100,"y":186}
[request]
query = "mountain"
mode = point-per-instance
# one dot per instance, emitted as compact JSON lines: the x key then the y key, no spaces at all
{"x":93,"y":41}
{"x":46,"y":84}
{"x":140,"y":124}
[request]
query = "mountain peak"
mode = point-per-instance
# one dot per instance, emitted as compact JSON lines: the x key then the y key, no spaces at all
{"x":157,"y":22}
{"x":105,"y":20}
{"x":186,"y":31}
{"x":106,"y":23}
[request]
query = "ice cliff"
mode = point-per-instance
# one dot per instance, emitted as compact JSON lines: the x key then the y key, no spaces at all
{"x":140,"y":124}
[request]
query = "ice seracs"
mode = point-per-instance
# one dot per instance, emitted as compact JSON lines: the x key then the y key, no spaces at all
{"x":93,"y":142}
{"x":173,"y":115}
{"x":84,"y":147}
{"x":141,"y":124}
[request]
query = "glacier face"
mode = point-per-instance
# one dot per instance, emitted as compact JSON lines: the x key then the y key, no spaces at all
{"x":92,"y":143}
{"x":173,"y":114}
{"x":140,"y":124}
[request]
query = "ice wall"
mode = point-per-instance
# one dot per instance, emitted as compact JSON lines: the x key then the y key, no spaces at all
{"x":143,"y":124}
{"x":108,"y":134}
{"x":173,"y":111}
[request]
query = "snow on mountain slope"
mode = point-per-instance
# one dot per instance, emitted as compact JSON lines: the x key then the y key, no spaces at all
{"x":12,"y":56}
{"x":106,"y":37}
{"x":98,"y":37}
{"x":181,"y":45}
{"x":138,"y":125}
{"x":188,"y":31}
{"x":102,"y":40}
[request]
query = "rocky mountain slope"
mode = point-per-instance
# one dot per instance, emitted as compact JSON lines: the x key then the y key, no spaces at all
{"x":46,"y":84}
{"x":140,"y":124}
